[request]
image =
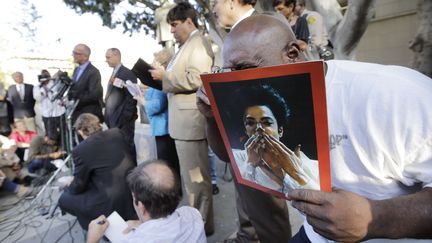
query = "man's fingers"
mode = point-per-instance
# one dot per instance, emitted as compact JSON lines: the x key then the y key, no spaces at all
{"x":309,"y":209}
{"x":201,"y":94}
{"x":320,"y":226}
{"x":309,"y":196}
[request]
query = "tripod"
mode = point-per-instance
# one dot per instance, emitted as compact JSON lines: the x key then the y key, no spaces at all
{"x":52,"y":177}
{"x":68,"y":146}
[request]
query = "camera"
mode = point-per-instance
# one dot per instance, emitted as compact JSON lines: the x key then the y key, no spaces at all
{"x":43,"y":78}
{"x":62,"y":84}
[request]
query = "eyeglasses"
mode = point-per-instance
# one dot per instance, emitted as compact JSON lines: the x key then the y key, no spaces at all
{"x":76,"y":53}
{"x":217,"y":69}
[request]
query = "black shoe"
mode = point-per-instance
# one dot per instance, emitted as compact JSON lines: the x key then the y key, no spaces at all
{"x":215,"y":189}
{"x":27,"y":181}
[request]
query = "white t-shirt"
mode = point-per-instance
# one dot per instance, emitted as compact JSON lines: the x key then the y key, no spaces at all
{"x":185,"y":225}
{"x":308,"y":171}
{"x":380,"y":125}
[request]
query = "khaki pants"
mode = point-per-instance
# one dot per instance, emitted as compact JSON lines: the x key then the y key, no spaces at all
{"x":195,"y":172}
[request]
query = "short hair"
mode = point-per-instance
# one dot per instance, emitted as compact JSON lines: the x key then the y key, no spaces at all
{"x":87,"y":123}
{"x":17,"y":74}
{"x":115,"y":51}
{"x":285,"y":2}
{"x":164,"y":56}
{"x":248,"y":2}
{"x":262,"y":95}
{"x":45,"y":72}
{"x":159,"y":199}
{"x":86,"y":49}
{"x":20,"y":121}
{"x":181,"y":12}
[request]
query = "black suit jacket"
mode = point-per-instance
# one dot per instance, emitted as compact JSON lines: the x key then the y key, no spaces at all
{"x":102,"y":162}
{"x":120,"y":106}
{"x":88,"y":89}
{"x":22,"y":108}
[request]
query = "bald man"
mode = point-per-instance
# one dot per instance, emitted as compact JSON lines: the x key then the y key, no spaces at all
{"x":382,"y":169}
{"x":87,"y":87}
{"x":156,"y":191}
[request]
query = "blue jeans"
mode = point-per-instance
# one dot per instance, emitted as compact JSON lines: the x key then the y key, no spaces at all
{"x":37,"y":164}
{"x":10,"y":186}
{"x":212,"y":158}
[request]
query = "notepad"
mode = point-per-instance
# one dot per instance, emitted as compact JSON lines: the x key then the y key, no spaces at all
{"x":117,"y":225}
{"x":141,"y":70}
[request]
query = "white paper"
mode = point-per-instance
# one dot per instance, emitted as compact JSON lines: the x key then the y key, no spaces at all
{"x":118,"y":83}
{"x":133,"y":88}
{"x":117,"y":225}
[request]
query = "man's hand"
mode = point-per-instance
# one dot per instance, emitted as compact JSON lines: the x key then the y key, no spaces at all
{"x":157,"y":73}
{"x":16,"y":167}
{"x":203,"y":103}
{"x":338,"y":215}
{"x":132,"y":225}
{"x":56,"y":155}
{"x":2,"y":177}
{"x":96,"y":229}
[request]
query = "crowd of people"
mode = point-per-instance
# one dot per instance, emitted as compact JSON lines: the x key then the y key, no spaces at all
{"x":381,"y":173}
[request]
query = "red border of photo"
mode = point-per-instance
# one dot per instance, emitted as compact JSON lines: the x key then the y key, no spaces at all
{"x":316,"y":71}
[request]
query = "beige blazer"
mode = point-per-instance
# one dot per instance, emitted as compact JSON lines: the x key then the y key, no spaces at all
{"x":181,"y":81}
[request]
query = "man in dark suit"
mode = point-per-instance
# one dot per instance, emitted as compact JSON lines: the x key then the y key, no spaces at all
{"x":21,"y":98}
{"x":102,"y":162}
{"x":87,"y":88}
{"x":120,"y":106}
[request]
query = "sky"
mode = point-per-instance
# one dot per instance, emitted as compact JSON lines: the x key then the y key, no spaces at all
{"x":59,"y":29}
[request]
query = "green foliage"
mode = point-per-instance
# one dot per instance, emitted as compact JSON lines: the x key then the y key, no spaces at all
{"x":132,"y":15}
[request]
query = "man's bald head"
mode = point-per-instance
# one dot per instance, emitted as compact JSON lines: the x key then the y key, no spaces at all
{"x":160,"y":175}
{"x":259,"y":41}
{"x":156,"y":186}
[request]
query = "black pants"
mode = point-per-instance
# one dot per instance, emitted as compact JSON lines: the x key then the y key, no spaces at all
{"x":53,"y":127}
{"x":166,"y":150}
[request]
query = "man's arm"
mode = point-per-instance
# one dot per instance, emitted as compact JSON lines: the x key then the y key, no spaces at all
{"x":214,"y":137}
{"x":129,"y":111}
{"x":198,"y":61}
{"x":348,"y":217}
{"x":96,"y":229}
{"x":81,"y":175}
{"x":94,"y":90}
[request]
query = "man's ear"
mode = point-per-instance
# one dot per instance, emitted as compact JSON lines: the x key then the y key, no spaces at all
{"x":141,"y":208}
{"x":189,"y":21}
{"x":291,"y":52}
{"x":280,"y":132}
{"x":81,"y":133}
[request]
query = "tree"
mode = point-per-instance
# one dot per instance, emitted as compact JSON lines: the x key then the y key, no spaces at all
{"x":421,"y":44}
{"x":137,"y":15}
{"x":345,"y":29}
